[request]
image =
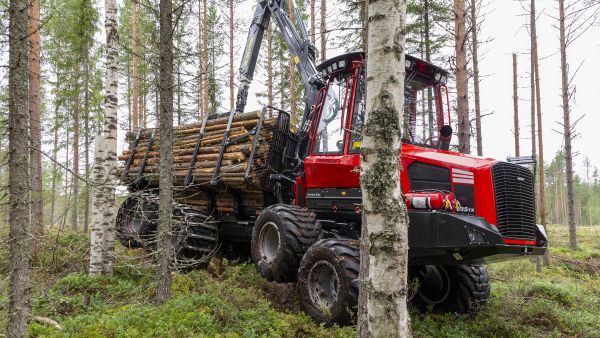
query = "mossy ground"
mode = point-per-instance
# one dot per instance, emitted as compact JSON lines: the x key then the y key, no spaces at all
{"x":563,"y":300}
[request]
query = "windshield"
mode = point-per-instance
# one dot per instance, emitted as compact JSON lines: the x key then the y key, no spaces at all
{"x":423,"y":114}
{"x":330,"y":133}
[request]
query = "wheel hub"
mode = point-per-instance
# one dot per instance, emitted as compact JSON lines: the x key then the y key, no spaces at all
{"x":434,"y":284}
{"x":323,"y":284}
{"x":269,"y":241}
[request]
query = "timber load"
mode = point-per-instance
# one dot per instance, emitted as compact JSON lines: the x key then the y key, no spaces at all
{"x":222,"y":164}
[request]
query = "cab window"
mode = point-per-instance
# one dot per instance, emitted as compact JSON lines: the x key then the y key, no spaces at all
{"x":329,"y":138}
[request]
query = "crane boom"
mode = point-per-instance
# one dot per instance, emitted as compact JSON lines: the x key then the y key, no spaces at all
{"x":302,"y":51}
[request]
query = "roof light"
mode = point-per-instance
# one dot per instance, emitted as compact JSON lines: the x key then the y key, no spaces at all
{"x":335,"y":66}
{"x":438,"y":77}
{"x":329,"y":69}
{"x":444,"y":79}
{"x":342,"y":64}
{"x":408,"y":64}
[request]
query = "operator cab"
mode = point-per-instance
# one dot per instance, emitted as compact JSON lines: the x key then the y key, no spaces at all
{"x":341,"y":105}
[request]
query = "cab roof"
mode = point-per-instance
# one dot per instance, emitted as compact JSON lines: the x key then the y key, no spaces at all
{"x":424,"y":70}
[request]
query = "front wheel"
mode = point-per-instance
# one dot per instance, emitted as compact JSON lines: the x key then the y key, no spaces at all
{"x":280,"y":237}
{"x":455,"y":288}
{"x":327,"y":281}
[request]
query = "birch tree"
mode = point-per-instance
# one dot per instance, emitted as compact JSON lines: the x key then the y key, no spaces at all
{"x":18,"y":169}
{"x":163,"y":285}
{"x":105,"y":157}
{"x":384,"y":214}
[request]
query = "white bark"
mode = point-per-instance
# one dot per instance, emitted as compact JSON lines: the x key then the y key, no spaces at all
{"x":385,"y":217}
{"x":103,"y":199}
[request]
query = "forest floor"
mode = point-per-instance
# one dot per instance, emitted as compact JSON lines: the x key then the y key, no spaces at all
{"x":563,"y":300}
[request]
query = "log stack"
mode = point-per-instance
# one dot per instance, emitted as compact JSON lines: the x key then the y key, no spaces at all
{"x":235,"y":160}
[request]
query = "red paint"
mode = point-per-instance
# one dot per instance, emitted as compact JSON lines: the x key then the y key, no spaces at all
{"x":343,"y":170}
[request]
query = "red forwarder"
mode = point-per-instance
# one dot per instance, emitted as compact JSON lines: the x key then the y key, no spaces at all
{"x":463,"y":210}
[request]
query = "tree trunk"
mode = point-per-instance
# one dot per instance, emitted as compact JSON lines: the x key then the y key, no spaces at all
{"x":129,"y":108}
{"x":37,"y":201}
{"x":105,"y":157}
{"x":313,"y":35}
{"x":200,"y":64}
{"x":75,"y":200}
{"x":323,"y":30}
{"x":516,"y":106}
{"x":231,"y":70}
{"x":135,"y":94}
{"x":67,"y":186}
{"x":385,"y":216}
{"x":538,"y":101}
{"x":475,"y":56}
{"x":293,"y":118}
{"x":462,"y":86}
{"x":163,"y":285}
{"x":427,"y":32}
{"x":18,"y":169}
{"x":86,"y":136}
{"x":567,"y":127}
{"x":55,"y":146}
{"x":205,"y":59}
{"x":270,"y":68}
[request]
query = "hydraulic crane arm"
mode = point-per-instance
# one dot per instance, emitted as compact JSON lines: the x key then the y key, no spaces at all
{"x":301,"y":50}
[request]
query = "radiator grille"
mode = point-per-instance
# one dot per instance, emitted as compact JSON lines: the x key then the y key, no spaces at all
{"x":515,"y":201}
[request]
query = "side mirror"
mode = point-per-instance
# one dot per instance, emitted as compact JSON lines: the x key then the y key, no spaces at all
{"x":445,"y":138}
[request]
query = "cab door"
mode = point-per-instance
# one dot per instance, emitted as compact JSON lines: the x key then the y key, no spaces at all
{"x":334,"y":160}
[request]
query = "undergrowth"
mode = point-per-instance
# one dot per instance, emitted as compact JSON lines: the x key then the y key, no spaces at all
{"x":234,"y":301}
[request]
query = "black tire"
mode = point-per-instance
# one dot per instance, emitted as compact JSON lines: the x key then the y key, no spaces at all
{"x":137,"y":220}
{"x":280,"y":237}
{"x":461,"y":289}
{"x":336,"y":260}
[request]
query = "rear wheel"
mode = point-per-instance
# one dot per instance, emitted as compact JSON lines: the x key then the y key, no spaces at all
{"x":327,"y":281}
{"x":137,"y":219}
{"x":455,"y":288}
{"x":280,"y":237}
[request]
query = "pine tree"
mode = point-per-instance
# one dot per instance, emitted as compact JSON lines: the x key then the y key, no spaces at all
{"x":163,"y":285}
{"x":18,"y":168}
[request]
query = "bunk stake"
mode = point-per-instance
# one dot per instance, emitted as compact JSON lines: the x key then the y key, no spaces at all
{"x":190,"y":177}
{"x":224,"y":144}
{"x":132,"y":154}
{"x":150,"y":144}
{"x":255,"y":142}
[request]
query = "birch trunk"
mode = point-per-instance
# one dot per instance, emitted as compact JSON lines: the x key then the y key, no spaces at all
{"x":384,"y":213}
{"x":18,"y":169}
{"x":475,"y":56}
{"x":462,"y":87}
{"x":35,"y":128}
{"x":516,"y":106}
{"x":163,"y":285}
{"x":567,"y":133}
{"x":105,"y":158}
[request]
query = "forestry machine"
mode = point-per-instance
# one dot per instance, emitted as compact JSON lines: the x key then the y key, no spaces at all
{"x":463,"y":210}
